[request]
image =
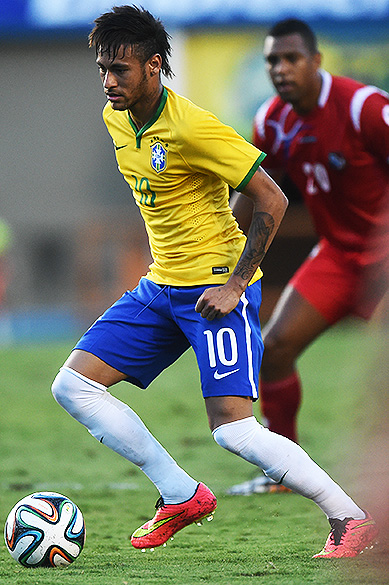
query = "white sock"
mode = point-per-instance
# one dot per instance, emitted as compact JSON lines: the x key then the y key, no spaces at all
{"x":287,"y":463}
{"x":113,"y":423}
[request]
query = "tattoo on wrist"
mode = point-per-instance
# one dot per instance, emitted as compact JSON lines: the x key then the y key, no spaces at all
{"x":261,"y":228}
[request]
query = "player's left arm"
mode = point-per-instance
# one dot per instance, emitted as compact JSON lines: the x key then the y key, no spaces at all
{"x":269,"y":206}
{"x":242,"y":207}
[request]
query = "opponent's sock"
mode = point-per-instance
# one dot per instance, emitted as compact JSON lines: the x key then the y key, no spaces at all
{"x":280,"y":401}
{"x":113,"y":423}
{"x":287,"y":463}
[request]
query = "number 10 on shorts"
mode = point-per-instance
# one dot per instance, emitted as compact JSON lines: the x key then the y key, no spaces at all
{"x":224,"y":336}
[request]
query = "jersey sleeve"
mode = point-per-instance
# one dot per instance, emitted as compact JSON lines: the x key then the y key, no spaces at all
{"x":209,"y":146}
{"x":370,"y":116}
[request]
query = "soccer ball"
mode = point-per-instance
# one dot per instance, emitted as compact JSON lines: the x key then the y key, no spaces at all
{"x":45,"y":529}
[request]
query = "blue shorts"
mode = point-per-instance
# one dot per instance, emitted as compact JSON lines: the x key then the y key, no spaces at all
{"x":148,"y":328}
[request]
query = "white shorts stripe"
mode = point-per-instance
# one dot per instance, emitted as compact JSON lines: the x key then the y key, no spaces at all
{"x":249,"y":347}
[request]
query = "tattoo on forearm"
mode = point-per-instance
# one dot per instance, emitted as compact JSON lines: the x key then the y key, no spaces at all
{"x":261,"y":228}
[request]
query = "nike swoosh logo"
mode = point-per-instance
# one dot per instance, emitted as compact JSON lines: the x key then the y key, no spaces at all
{"x":367,"y":523}
{"x":218,"y":376}
{"x":325,"y":552}
{"x":282,"y":478}
{"x":119,"y":147}
{"x":145,"y":531}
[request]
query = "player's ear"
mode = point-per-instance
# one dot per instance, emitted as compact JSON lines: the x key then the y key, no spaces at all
{"x":154,"y":64}
{"x":317,"y":59}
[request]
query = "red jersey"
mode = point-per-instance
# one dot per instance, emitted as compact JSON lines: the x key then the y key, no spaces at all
{"x":338,"y":157}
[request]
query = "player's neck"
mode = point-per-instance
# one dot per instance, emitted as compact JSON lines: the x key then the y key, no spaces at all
{"x":310,"y":100}
{"x":142,"y":112}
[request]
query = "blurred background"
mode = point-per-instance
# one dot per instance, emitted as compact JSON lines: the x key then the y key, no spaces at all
{"x":71,"y":238}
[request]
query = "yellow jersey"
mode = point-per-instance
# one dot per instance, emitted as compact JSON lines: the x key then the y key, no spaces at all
{"x":179,"y":167}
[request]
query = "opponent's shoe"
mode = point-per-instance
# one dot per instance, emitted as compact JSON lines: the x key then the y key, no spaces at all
{"x":259,"y":485}
{"x":170,"y":518}
{"x":349,"y":537}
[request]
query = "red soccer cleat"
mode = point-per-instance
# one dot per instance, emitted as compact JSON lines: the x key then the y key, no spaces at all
{"x":349,"y":537}
{"x":171,"y":518}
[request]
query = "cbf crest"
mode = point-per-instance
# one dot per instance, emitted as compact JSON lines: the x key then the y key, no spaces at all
{"x":158,"y":157}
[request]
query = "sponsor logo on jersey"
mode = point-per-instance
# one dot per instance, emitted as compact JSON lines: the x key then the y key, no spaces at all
{"x":158,"y":157}
{"x":282,"y":138}
{"x":308,"y":139}
{"x":337,"y":160}
{"x":220,"y":270}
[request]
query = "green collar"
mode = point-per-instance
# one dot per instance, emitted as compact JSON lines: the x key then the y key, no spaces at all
{"x":139,"y":133}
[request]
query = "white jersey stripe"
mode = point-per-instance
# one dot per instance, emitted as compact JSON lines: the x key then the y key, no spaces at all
{"x":359,"y":98}
{"x":325,"y":88}
{"x":260,"y":117}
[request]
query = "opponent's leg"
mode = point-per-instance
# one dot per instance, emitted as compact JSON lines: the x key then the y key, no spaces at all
{"x":293,"y":325}
{"x":320,"y":293}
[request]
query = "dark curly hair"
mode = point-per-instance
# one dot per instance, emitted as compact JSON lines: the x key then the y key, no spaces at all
{"x":292,"y":26}
{"x":130,"y":26}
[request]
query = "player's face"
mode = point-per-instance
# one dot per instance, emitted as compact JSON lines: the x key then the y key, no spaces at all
{"x":126,"y":82}
{"x":293,"y":70}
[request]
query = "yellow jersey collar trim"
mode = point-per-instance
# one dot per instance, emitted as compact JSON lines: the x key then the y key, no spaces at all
{"x":139,"y":133}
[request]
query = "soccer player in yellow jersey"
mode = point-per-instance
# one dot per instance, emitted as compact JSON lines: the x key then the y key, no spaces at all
{"x":203,"y":288}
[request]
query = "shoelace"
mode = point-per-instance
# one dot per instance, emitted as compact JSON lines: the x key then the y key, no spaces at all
{"x":338,"y":529}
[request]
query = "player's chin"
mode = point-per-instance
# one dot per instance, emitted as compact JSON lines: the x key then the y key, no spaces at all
{"x":286,"y":95}
{"x":286,"y":91}
{"x":117,"y":104}
{"x":118,"y":107}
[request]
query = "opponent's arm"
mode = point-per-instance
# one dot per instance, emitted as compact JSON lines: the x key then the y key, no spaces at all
{"x":269,"y":205}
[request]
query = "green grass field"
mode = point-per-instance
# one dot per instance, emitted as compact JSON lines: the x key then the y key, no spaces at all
{"x":267,"y":539}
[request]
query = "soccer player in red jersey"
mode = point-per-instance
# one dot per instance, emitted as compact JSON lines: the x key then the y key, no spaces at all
{"x":330,"y":136}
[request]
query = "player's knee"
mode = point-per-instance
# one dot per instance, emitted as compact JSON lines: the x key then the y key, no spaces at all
{"x":61,"y":388}
{"x":236,"y":436}
{"x":72,"y":392}
{"x":278,"y":353}
{"x":221,"y":437}
{"x":58,"y":387}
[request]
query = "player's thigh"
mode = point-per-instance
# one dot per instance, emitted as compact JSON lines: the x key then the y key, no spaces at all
{"x":136,"y":337}
{"x":319,"y":294}
{"x":94,"y":368}
{"x":226,"y":409}
{"x":228,"y":350}
{"x":328,"y":281}
{"x":293,"y":325}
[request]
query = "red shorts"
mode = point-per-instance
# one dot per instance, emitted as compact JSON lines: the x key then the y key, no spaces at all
{"x":338,"y":287}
